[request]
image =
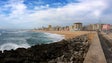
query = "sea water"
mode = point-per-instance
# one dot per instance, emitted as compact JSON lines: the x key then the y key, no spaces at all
{"x":13,"y":39}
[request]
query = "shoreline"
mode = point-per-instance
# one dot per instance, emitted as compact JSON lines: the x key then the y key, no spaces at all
{"x":70,"y":50}
{"x":66,"y":34}
{"x":54,"y":36}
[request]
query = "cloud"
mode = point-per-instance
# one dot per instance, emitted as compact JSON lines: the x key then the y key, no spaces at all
{"x":70,"y":12}
{"x":17,"y":7}
{"x":85,"y":11}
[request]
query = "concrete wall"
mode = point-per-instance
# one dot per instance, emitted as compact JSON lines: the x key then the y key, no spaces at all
{"x":95,"y":53}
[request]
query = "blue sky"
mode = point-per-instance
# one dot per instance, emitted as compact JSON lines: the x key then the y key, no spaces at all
{"x":37,"y":13}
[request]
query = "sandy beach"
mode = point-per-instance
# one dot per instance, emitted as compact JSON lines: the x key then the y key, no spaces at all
{"x":69,"y":34}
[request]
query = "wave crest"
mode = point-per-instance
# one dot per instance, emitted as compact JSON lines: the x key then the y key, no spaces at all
{"x":55,"y":37}
{"x":9,"y":46}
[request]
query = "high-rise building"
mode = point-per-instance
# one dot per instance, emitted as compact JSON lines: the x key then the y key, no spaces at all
{"x":78,"y":26}
{"x":49,"y":27}
{"x":95,"y":27}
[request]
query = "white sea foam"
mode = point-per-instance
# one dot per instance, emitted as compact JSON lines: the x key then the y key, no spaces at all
{"x":23,"y":43}
{"x":9,"y":46}
{"x":55,"y":37}
{"x":15,"y":31}
{"x":17,"y":38}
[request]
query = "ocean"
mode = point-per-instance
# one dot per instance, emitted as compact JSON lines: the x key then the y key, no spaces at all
{"x":13,"y":39}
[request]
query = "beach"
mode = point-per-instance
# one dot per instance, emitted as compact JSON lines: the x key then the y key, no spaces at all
{"x":66,"y":34}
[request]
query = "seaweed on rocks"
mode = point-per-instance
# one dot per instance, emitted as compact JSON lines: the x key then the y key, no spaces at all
{"x":65,"y":51}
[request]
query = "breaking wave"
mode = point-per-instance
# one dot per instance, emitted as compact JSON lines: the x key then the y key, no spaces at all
{"x":55,"y":37}
{"x":9,"y":46}
{"x":24,"y":39}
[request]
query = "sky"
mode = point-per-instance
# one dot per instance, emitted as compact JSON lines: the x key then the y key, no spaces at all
{"x":24,"y":14}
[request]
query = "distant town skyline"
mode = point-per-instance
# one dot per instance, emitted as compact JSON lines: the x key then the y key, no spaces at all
{"x":22,"y":14}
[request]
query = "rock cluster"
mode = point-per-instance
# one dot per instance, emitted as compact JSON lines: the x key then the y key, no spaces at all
{"x":66,"y":51}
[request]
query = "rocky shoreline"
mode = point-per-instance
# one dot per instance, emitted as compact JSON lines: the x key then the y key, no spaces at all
{"x":66,"y":51}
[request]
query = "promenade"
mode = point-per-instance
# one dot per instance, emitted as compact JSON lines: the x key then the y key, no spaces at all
{"x":95,"y":53}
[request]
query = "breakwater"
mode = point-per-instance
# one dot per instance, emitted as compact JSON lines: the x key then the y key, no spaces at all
{"x":66,"y":51}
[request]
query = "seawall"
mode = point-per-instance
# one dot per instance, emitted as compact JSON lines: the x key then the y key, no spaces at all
{"x":95,"y":53}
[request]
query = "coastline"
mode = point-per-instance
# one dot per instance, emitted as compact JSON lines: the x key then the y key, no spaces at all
{"x":66,"y":34}
{"x":69,"y":50}
{"x":73,"y":48}
{"x":55,"y":37}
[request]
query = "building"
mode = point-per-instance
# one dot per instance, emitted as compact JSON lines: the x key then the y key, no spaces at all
{"x":95,"y":27}
{"x":106,"y":27}
{"x":91,"y":27}
{"x":49,"y":27}
{"x":74,"y":27}
{"x":71,"y":28}
{"x":78,"y":26}
{"x":110,"y":27}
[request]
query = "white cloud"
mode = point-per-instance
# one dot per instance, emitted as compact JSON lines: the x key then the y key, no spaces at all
{"x":42,"y":7}
{"x":73,"y":12}
{"x":17,"y":7}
